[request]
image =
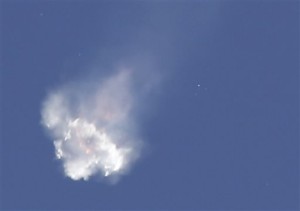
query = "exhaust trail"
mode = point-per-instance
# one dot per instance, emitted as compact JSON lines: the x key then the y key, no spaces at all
{"x":92,"y":126}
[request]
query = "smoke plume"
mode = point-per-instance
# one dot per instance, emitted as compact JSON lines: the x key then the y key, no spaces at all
{"x":92,"y":126}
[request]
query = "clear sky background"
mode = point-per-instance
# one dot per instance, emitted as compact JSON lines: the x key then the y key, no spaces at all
{"x":222,"y":128}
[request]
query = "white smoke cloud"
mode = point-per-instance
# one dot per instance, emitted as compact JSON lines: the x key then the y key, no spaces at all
{"x":93,"y":126}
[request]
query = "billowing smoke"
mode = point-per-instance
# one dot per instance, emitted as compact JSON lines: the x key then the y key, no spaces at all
{"x":92,"y":126}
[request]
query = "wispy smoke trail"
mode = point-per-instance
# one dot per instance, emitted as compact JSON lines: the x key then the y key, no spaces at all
{"x":92,"y":127}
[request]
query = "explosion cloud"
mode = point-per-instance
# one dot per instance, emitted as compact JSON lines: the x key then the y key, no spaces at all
{"x":92,"y":126}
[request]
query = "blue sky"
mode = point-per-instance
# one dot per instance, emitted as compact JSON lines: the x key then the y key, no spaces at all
{"x":221,"y":127}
